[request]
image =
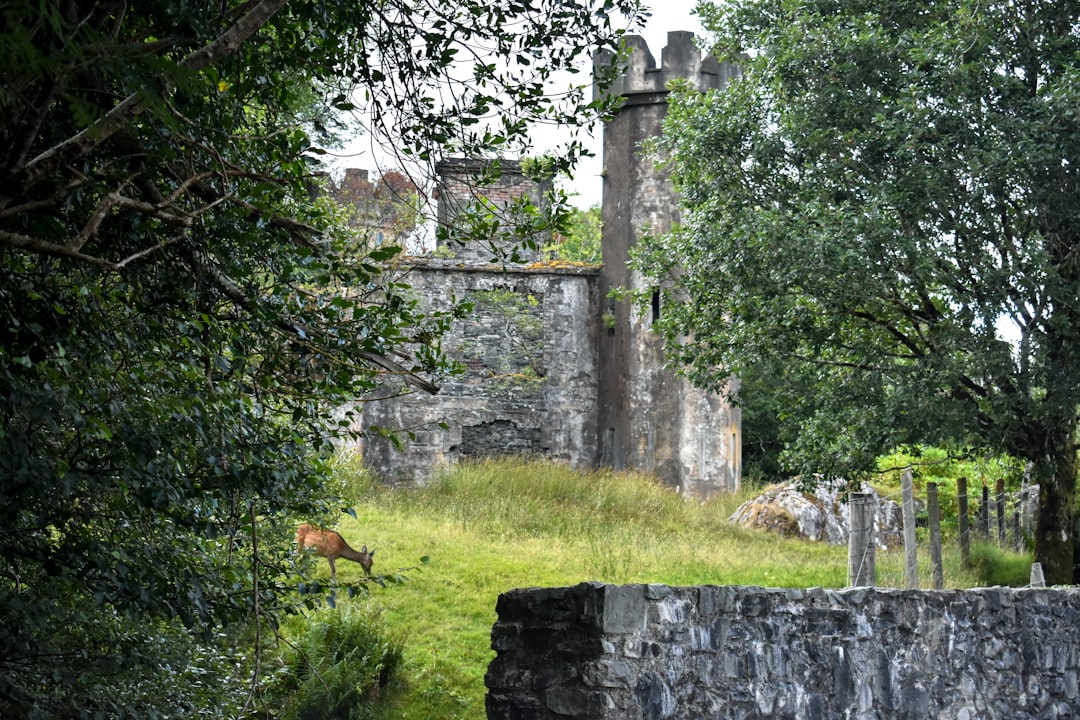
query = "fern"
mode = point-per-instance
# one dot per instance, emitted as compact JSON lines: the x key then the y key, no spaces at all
{"x":340,"y":664}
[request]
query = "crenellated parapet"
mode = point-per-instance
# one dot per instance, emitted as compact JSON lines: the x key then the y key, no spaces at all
{"x":681,"y":59}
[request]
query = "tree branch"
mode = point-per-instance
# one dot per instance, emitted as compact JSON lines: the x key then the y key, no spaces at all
{"x":43,"y":247}
{"x":234,"y":37}
{"x":241,"y":299}
{"x":59,"y":155}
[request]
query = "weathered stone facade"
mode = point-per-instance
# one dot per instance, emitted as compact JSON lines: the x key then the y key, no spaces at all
{"x":529,"y":386}
{"x":555,"y":368}
{"x":651,"y":419}
{"x":686,"y":653}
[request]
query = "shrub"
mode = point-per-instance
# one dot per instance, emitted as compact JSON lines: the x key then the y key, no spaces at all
{"x":1000,"y":567}
{"x":339,"y":665}
{"x":932,"y":464}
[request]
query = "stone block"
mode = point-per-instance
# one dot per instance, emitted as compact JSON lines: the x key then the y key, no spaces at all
{"x":625,"y":609}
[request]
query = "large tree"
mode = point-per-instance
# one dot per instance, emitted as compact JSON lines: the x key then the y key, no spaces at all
{"x":182,"y":310}
{"x":882,"y":222}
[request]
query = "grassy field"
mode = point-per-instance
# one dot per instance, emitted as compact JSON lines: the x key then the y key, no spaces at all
{"x":498,"y":525}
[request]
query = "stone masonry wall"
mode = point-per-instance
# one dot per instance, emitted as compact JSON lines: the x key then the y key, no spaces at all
{"x":529,"y":386}
{"x":653,"y":651}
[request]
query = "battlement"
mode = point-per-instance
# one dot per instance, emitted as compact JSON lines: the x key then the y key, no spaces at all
{"x":681,"y":59}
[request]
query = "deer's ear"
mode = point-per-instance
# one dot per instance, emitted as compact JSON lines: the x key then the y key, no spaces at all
{"x":363,"y":549}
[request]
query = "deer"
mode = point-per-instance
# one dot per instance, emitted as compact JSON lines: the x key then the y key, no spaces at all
{"x":330,"y":545}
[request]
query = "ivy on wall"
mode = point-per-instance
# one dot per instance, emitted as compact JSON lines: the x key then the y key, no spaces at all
{"x":504,"y":341}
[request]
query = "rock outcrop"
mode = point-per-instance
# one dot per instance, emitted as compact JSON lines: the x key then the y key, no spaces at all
{"x":818,"y":512}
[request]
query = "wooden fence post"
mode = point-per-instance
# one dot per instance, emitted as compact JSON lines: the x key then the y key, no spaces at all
{"x":1001,"y":512}
{"x":861,"y":560}
{"x":1027,"y":518}
{"x":984,"y":514}
{"x":1018,"y":536}
{"x":911,"y":549}
{"x":965,"y":528}
{"x":934,"y":521}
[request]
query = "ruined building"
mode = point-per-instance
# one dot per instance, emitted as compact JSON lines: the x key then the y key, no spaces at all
{"x":554,"y":367}
{"x":382,"y":211}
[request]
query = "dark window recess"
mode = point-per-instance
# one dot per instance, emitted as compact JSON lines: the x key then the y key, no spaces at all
{"x":500,"y":437}
{"x":655,"y":305}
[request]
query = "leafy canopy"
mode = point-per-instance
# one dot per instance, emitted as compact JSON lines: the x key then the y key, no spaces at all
{"x":182,"y":309}
{"x":581,"y":240}
{"x":881,"y":231}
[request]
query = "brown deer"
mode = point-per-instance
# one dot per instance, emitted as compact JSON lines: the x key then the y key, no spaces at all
{"x":330,"y":545}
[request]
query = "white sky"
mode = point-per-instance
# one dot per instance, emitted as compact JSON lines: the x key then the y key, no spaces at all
{"x":667,"y":16}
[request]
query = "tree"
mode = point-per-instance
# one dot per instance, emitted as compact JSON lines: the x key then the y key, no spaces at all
{"x":881,"y":217}
{"x":182,"y":312}
{"x":580,"y":242}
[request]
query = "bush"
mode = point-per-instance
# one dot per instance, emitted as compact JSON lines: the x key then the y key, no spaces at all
{"x":349,"y":479}
{"x":999,"y":567}
{"x":339,"y":665}
{"x":931,"y":464}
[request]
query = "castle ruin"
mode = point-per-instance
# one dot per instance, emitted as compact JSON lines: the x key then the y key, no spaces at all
{"x":554,"y":367}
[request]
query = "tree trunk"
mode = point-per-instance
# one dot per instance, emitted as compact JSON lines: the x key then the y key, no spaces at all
{"x":1057,"y":498}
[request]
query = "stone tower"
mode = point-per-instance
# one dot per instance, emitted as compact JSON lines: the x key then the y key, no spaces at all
{"x":649,"y":418}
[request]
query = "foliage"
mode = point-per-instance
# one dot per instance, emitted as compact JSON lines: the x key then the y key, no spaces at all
{"x":181,"y":317}
{"x":937,"y":465}
{"x":581,"y":240}
{"x":764,"y":432}
{"x":338,"y":665}
{"x":349,"y":478}
{"x":189,"y":676}
{"x":881,"y":219}
{"x":931,"y":464}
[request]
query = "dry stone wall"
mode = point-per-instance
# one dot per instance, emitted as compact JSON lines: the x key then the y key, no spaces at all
{"x":653,"y":651}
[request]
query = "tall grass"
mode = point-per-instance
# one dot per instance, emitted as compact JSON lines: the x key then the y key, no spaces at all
{"x":500,"y":524}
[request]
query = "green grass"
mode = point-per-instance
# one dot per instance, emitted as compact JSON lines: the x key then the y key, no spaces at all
{"x":498,"y":525}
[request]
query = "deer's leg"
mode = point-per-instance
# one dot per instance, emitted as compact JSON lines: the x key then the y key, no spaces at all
{"x":333,"y":570}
